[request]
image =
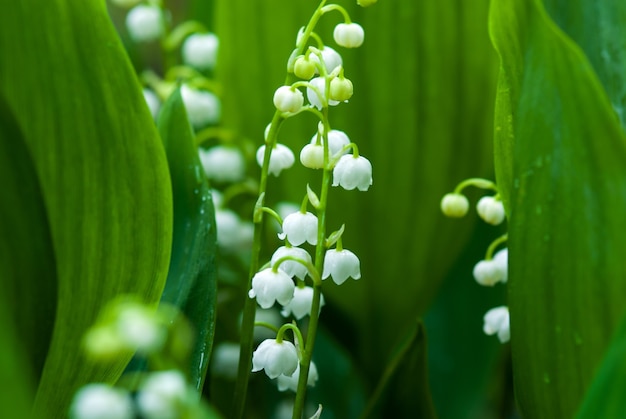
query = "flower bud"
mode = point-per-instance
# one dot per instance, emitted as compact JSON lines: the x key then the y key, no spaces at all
{"x":349,"y":35}
{"x":145,"y":23}
{"x":223,"y":163}
{"x":491,"y":210}
{"x":454,"y":205}
{"x":304,"y":68}
{"x":203,"y":107}
{"x":288,"y":99}
{"x":341,"y":89}
{"x":200,"y":50}
{"x":312,"y":156}
{"x":97,"y":401}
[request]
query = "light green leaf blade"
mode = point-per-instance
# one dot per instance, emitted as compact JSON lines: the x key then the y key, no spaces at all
{"x":192,"y":279}
{"x":567,"y":194}
{"x":605,"y":398}
{"x":102,"y":170}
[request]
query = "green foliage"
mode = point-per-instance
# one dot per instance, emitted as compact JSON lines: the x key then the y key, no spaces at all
{"x":562,"y":160}
{"x":102,"y":172}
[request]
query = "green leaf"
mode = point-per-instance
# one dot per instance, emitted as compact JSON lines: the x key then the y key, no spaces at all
{"x":605,"y":398}
{"x":102,"y":171}
{"x":567,"y":190}
{"x":192,"y":279}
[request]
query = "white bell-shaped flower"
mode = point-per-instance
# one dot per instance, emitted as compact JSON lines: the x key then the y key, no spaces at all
{"x":232,"y":232}
{"x":101,"y":401}
{"x":331,"y":58}
{"x":288,"y":99}
{"x":491,"y":210}
{"x":300,"y":305}
{"x":140,"y":328}
{"x":349,"y":35}
{"x":312,"y":156}
{"x":203,"y":107}
{"x":292,"y":267}
{"x":314,"y":99}
{"x":281,"y":158}
{"x":501,"y":259}
{"x":496,"y":320}
{"x":337,"y":140}
{"x":223,"y":163}
{"x":285,"y":382}
{"x":353,"y":172}
{"x":454,"y":205}
{"x":489,"y":272}
{"x":341,"y":264}
{"x":145,"y":23}
{"x":200,"y":50}
{"x":299,"y":228}
{"x":163,"y":395}
{"x":269,"y":286}
{"x":153,"y":102}
{"x":276,"y":358}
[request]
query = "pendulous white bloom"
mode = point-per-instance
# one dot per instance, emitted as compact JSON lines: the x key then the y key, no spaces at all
{"x":200,"y":50}
{"x":501,"y":259}
{"x":225,"y":360}
{"x":269,"y":286}
{"x":288,"y":99}
{"x":232,"y":232}
{"x":145,"y":23}
{"x":153,"y":102}
{"x":281,"y":158}
{"x":341,"y":264}
{"x":285,"y":382}
{"x":353,"y":172}
{"x":491,"y":210}
{"x":497,"y":321}
{"x":312,"y":156}
{"x":300,"y":305}
{"x":163,"y":395}
{"x":299,"y":228}
{"x":331,"y":58}
{"x":291,"y":267}
{"x":489,"y":272}
{"x":223,"y":163}
{"x":140,"y":328}
{"x":314,"y":99}
{"x":349,"y":35}
{"x":454,"y":205}
{"x":203,"y":107}
{"x":337,"y":140}
{"x":101,"y":401}
{"x":341,"y":89}
{"x":276,"y":358}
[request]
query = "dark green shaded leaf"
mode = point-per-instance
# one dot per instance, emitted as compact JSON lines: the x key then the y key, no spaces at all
{"x":567,"y":194}
{"x":102,"y":171}
{"x":605,"y":398}
{"x":192,"y":280}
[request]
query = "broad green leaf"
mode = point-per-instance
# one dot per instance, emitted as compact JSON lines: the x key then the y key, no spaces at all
{"x":192,"y":281}
{"x":421,"y":106}
{"x":102,"y":171}
{"x":567,"y":194}
{"x":605,"y":398}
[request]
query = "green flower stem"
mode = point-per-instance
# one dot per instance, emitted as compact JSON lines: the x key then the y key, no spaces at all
{"x":477,"y":182}
{"x":267,"y":325}
{"x":296,"y":333}
{"x":249,"y":308}
{"x":494,"y":244}
{"x":331,"y":7}
{"x":307,"y":353}
{"x":312,"y":269}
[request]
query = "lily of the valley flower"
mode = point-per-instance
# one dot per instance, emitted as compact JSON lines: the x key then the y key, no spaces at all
{"x":153,"y":102}
{"x":312,"y":156}
{"x":200,"y":50}
{"x":269,"y":286}
{"x":97,"y":401}
{"x":491,"y":210}
{"x":164,"y":394}
{"x":318,"y":83}
{"x":497,"y":322}
{"x":353,"y":172}
{"x":203,"y":107}
{"x":331,"y":58}
{"x":454,"y":205}
{"x":288,"y":99}
{"x":300,"y":227}
{"x":145,"y":23}
{"x":304,"y":67}
{"x":349,"y":35}
{"x":223,"y":163}
{"x":337,"y":140}
{"x":281,"y":158}
{"x":276,"y":358}
{"x":285,"y":382}
{"x":341,"y":264}
{"x":292,"y":267}
{"x":300,"y":305}
{"x":490,"y":272}
{"x":341,"y":89}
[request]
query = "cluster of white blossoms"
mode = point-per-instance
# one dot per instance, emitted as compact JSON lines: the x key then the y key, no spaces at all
{"x":284,"y":279}
{"x":494,"y":268}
